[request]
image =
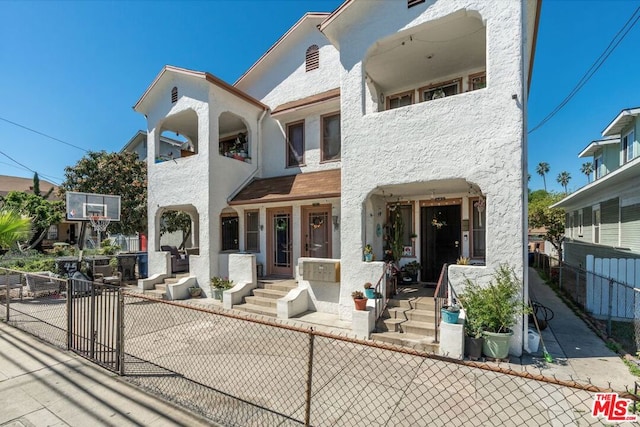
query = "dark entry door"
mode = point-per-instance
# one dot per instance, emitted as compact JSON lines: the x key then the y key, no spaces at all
{"x":440,"y":226}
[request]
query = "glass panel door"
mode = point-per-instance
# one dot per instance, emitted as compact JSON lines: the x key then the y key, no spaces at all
{"x":279,"y":242}
{"x":317,"y":232}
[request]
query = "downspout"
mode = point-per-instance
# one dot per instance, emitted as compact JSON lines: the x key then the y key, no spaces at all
{"x":235,"y":192}
{"x":524,"y":96}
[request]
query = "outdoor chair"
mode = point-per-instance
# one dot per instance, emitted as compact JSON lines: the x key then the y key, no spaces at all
{"x":41,"y":281}
{"x":179,"y":262}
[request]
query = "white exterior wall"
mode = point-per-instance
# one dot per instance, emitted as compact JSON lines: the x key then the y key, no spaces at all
{"x":476,"y":135}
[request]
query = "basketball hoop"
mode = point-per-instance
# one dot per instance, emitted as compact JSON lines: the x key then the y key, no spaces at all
{"x":99,"y":224}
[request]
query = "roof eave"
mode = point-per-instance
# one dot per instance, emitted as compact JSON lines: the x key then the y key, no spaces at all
{"x":611,"y":129}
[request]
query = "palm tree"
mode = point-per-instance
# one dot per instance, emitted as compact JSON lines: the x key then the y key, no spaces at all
{"x":587,"y":169}
{"x":542,"y":169}
{"x":13,"y":228}
{"x":563,"y":179}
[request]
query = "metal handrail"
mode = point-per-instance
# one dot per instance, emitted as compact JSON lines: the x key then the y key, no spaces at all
{"x":440,"y":297}
{"x":381,"y":289}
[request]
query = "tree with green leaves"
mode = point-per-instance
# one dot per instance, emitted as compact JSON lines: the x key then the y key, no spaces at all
{"x":118,"y":174}
{"x":43,"y":213}
{"x":542,"y":169}
{"x":172,"y":221}
{"x":587,"y":169}
{"x":541,"y":215}
{"x":13,"y":228}
{"x":563,"y":179}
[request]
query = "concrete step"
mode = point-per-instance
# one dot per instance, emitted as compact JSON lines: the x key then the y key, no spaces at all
{"x":417,"y":342}
{"x":421,"y":315}
{"x":280,"y":286}
{"x":257,"y":309}
{"x":424,"y":304}
{"x":269,"y":293}
{"x":155,"y":293}
{"x":261,"y":301}
{"x":424,"y":329}
{"x":162,"y":287}
{"x":421,"y":303}
{"x":395,"y":312}
{"x":389,"y":325}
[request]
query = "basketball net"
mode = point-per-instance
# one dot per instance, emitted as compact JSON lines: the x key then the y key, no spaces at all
{"x":99,"y":224}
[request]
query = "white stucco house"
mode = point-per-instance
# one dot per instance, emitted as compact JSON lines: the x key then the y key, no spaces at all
{"x":414,"y":109}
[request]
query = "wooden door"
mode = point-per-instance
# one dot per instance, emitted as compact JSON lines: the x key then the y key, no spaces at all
{"x":316,"y":231}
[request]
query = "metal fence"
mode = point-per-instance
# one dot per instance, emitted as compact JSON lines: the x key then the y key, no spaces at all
{"x":611,"y":306}
{"x":254,"y":371}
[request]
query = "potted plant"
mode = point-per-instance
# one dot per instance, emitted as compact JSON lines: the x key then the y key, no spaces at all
{"x":195,"y":292}
{"x":219,"y":285}
{"x":463,"y":261}
{"x":496,"y":308}
{"x":411,"y":271}
{"x":369,"y":292}
{"x":473,"y":339}
{"x":450,"y":313}
{"x":368,"y":253}
{"x":360,"y":300}
{"x":413,"y":237}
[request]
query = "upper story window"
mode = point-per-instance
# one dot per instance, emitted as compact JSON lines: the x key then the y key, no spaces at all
{"x":440,"y":90}
{"x":478,"y":81}
{"x":331,"y":140}
{"x":295,"y":144}
{"x":312,"y":59}
{"x":399,"y":100}
{"x":597,"y":165}
{"x":627,"y":147}
{"x":174,"y":95}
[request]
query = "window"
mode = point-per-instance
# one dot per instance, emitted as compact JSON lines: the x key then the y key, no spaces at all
{"x":478,"y":230}
{"x":411,"y":3}
{"x":478,"y":81}
{"x":52,"y":233}
{"x":440,"y":90}
{"x":312,"y":59}
{"x":627,"y":147}
{"x":597,"y":165}
{"x":331,"y":137}
{"x":580,"y":223}
{"x":251,"y":231}
{"x":569,"y":222}
{"x":399,"y":100}
{"x":295,"y":144}
{"x":229,"y":232}
{"x":174,"y":95}
{"x":596,"y":224}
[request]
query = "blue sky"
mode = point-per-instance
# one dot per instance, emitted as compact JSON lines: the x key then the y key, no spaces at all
{"x":73,"y":70}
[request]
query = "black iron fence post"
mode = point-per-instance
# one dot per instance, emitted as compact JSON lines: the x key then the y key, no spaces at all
{"x":8,"y":298}
{"x":69,"y":313}
{"x":307,"y":409}
{"x":120,"y":333}
{"x":610,"y":307}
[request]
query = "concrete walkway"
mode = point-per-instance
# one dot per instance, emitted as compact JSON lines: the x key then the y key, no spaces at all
{"x":41,"y":385}
{"x":577,"y":351}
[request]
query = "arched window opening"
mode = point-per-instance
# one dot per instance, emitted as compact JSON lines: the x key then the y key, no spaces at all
{"x":312,"y":59}
{"x":234,"y":141}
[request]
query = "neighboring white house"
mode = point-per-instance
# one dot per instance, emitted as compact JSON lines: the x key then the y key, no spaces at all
{"x":603,"y":217}
{"x":351,"y":117}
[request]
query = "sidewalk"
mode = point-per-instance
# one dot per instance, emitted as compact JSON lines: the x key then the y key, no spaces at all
{"x":41,"y":385}
{"x":578,"y":353}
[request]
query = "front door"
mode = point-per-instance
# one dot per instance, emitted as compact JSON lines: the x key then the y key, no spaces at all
{"x":316,"y":231}
{"x":440,"y":226}
{"x":279,"y":247}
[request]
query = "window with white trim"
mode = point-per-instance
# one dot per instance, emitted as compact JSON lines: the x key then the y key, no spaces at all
{"x":627,"y":147}
{"x":580,"y":223}
{"x":295,"y":144}
{"x":331,"y":137}
{"x":252,"y":231}
{"x":597,"y":165}
{"x":596,"y":224}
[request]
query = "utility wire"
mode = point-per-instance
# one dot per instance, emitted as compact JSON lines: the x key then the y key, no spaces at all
{"x":44,"y":134}
{"x":28,"y":168}
{"x":594,"y":67}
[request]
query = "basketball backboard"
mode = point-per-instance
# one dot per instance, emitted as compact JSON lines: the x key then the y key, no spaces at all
{"x":81,"y":206}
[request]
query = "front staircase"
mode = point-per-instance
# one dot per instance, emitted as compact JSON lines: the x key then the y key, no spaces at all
{"x":408,"y":320}
{"x":265,"y":297}
{"x":160,"y":290}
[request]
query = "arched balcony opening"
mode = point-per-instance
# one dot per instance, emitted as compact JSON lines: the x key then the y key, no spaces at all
{"x":178,"y":136}
{"x":234,"y":138}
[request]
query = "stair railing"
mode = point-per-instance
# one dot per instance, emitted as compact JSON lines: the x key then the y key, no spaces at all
{"x":386,"y":279}
{"x":441,"y":296}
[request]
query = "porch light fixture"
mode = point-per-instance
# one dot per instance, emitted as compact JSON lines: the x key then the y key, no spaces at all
{"x":336,"y":221}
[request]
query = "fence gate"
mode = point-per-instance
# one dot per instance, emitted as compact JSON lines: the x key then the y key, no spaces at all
{"x":95,"y":323}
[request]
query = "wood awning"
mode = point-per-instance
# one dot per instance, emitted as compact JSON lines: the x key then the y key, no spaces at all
{"x":304,"y":186}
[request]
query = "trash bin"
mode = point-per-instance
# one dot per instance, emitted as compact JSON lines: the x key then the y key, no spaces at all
{"x":127,"y":266}
{"x":259,"y":270}
{"x":534,"y":341}
{"x":68,"y":265}
{"x":531,"y":258}
{"x":143,"y":264}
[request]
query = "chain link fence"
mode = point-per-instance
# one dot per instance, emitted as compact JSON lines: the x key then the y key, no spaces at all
{"x":611,"y":305}
{"x":254,"y":371}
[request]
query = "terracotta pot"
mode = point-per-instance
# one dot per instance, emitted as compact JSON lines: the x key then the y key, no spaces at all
{"x":361,"y":304}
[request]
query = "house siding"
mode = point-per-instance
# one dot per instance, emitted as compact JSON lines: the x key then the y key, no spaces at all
{"x":575,"y":253}
{"x":587,"y":229}
{"x":610,"y":217}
